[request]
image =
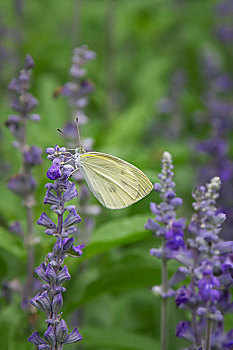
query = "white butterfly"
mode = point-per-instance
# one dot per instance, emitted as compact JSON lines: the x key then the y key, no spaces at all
{"x":113,"y":181}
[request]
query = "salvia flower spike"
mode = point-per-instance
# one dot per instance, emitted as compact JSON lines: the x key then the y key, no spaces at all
{"x":53,"y":272}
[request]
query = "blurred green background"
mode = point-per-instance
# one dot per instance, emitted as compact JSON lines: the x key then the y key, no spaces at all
{"x":142,"y":47}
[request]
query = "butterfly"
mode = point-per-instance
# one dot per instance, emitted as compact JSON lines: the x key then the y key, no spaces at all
{"x":114,"y":182}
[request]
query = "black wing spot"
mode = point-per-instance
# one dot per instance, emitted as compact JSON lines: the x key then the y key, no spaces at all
{"x":112,"y":188}
{"x":124,"y":182}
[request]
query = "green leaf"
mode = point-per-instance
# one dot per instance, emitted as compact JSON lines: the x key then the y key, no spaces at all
{"x":11,"y":244}
{"x":116,"y":339}
{"x":117,"y":232}
{"x":131,"y":272}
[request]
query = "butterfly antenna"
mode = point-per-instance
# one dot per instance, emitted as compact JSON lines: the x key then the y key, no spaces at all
{"x":67,"y":136}
{"x":79,"y":138}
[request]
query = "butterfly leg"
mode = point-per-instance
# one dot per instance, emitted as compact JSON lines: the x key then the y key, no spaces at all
{"x":72,"y":172}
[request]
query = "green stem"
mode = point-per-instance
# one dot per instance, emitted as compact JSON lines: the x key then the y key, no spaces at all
{"x":208,"y":334}
{"x":30,"y":259}
{"x":164,"y":307}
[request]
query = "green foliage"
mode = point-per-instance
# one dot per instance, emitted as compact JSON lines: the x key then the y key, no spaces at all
{"x":116,"y":339}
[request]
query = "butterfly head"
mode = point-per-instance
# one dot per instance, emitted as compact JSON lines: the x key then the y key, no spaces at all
{"x":79,"y":150}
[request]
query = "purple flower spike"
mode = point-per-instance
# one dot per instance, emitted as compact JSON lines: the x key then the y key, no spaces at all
{"x":62,"y":190}
{"x":207,"y":260}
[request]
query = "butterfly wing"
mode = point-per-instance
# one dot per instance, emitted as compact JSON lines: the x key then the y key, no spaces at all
{"x":113,"y":181}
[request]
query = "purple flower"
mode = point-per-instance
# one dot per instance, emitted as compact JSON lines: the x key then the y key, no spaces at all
{"x":52,"y":272}
{"x":61,"y":331}
{"x":78,"y":249}
{"x":44,"y":220}
{"x":207,"y":289}
{"x":184,"y":330}
{"x":72,"y":219}
{"x":33,"y":156}
{"x":49,"y":336}
{"x":42,"y":302}
{"x":54,"y":172}
{"x":22,"y":184}
{"x":37,"y":340}
{"x":16,"y":228}
{"x":29,"y":63}
{"x":184,"y":296}
{"x":73,"y":337}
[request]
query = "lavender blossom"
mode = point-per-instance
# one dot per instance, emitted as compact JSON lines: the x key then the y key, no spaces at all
{"x":207,"y":263}
{"x":53,"y":272}
{"x":170,"y":229}
{"x":23,"y":184}
{"x":76,"y":91}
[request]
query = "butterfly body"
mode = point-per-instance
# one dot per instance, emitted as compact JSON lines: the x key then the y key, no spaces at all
{"x":113,"y":181}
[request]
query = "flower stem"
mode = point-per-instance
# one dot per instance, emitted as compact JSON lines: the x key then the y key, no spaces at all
{"x":208,"y":334}
{"x":164,"y":307}
{"x":30,"y":259}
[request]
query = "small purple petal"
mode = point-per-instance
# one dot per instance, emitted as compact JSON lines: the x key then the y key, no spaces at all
{"x":63,"y":275}
{"x":157,"y":187}
{"x":36,"y":339}
{"x":72,"y":219}
{"x":44,"y":220}
{"x":67,"y":243}
{"x":16,"y":228}
{"x":71,"y":193}
{"x":50,"y":273}
{"x":78,"y":249}
{"x":42,"y":302}
{"x":54,"y":172}
{"x":28,"y":63}
{"x":61,"y":331}
{"x":152,"y":225}
{"x":57,"y":302}
{"x":184,"y":330}
{"x":33,"y":156}
{"x":73,"y":337}
{"x":41,"y":272}
{"x":50,"y":336}
{"x":51,"y":198}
